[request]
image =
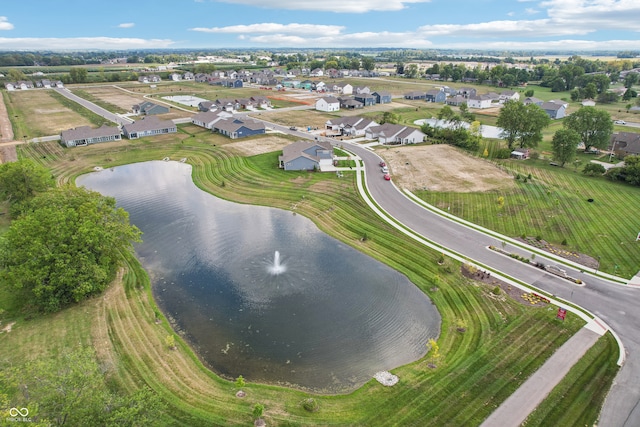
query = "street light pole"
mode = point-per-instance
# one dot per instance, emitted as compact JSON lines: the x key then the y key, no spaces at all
{"x":613,"y":147}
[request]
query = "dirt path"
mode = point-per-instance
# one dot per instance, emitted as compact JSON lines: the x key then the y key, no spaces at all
{"x":7,"y":144}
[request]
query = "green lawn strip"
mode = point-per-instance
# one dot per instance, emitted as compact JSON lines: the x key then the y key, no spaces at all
{"x":18,"y":123}
{"x":349,"y":217}
{"x":577,"y":400}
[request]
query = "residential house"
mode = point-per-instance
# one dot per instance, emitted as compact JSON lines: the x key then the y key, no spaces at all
{"x":533,"y":100}
{"x":626,"y":143}
{"x":176,"y":77}
{"x":149,"y":108}
{"x":349,"y":125}
{"x":153,"y":78}
{"x":344,"y":88}
{"x":261,"y":101}
{"x":366,"y":99}
{"x":227,"y":104}
{"x":415,"y":95}
{"x":390,"y":133}
{"x":509,"y":95}
{"x":382,"y":97}
{"x":294,"y":84}
{"x":435,"y":95}
{"x":467,"y":92}
{"x":316,"y":72}
{"x":319,"y":87}
{"x":350,"y":103}
{"x":148,"y":126}
{"x":555,"y":109}
{"x":206,"y":119}
{"x":85,"y":135}
{"x":588,"y":103}
{"x":480,"y":101}
{"x":207,"y":106}
{"x":303,"y":155}
{"x":233,"y":83}
{"x":328,"y":104}
{"x":456,"y":101}
{"x":359,"y":90}
{"x":306,"y":84}
{"x":238,"y":128}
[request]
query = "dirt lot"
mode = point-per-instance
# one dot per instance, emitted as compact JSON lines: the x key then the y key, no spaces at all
{"x":258,"y":146}
{"x":114,"y":95}
{"x":442,"y":168}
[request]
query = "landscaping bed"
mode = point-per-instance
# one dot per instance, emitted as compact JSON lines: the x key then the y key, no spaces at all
{"x":583,"y":259}
{"x":515,"y":293}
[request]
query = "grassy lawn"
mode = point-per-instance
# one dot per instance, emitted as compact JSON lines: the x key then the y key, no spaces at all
{"x":505,"y":340}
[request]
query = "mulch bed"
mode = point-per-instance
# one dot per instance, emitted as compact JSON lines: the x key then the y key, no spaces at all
{"x":586,"y":260}
{"x":512,"y":292}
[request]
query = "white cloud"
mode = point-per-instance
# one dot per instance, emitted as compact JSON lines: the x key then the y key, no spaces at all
{"x":598,"y":14}
{"x":101,"y":43}
{"x":5,"y":24}
{"x":270,"y":27}
{"x":531,"y":11}
{"x":338,"y":6}
{"x":126,"y":25}
{"x":502,"y":29}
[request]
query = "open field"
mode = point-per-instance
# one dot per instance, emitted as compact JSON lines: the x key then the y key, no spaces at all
{"x":504,"y":342}
{"x":36,"y":113}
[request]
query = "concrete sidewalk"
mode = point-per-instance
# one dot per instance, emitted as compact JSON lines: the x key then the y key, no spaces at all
{"x":532,"y":392}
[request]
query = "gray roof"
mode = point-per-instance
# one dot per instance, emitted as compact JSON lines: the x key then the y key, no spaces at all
{"x":232,"y":125}
{"x":84,"y":132}
{"x":298,"y":148}
{"x":148,"y":123}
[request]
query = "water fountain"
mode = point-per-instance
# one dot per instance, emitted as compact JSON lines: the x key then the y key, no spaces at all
{"x":277,"y":268}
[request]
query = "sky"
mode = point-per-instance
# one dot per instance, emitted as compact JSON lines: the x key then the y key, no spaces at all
{"x":422,"y":24}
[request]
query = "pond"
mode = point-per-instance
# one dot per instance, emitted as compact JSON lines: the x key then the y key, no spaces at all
{"x":262,"y":292}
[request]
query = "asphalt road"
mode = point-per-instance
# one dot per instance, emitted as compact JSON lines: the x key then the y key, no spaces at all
{"x":614,"y":303}
{"x":93,"y":107}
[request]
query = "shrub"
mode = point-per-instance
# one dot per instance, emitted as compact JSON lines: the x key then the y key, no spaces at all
{"x":538,"y":237}
{"x":496,"y":290}
{"x":310,"y":404}
{"x":564,"y":242}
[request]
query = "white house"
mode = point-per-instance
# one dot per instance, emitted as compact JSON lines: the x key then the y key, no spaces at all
{"x":479,"y":101}
{"x":328,"y":104}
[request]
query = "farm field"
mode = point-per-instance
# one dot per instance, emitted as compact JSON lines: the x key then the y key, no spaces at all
{"x":504,"y":341}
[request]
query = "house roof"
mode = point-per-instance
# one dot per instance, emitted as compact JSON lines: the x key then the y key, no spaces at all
{"x":84,"y":132}
{"x":148,"y":123}
{"x":232,"y":125}
{"x":551,"y":106}
{"x":330,"y":99}
{"x":628,"y":142}
{"x":298,"y":148}
{"x":209,"y":116}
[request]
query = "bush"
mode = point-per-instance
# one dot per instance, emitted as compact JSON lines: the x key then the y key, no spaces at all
{"x":564,"y":242}
{"x":310,"y":404}
{"x":592,"y":169}
{"x":496,"y":290}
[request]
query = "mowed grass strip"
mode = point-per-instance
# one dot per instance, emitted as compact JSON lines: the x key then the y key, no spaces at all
{"x":505,"y":341}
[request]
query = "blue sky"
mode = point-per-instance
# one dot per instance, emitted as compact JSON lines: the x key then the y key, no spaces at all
{"x":424,"y":24}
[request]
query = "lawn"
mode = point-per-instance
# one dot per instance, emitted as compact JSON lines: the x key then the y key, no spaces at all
{"x":504,"y":342}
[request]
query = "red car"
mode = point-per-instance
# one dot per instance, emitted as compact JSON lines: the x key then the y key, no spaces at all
{"x":382,"y":164}
{"x":387,"y":177}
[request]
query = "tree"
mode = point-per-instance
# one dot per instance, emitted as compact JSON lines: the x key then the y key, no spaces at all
{"x":389,"y":117}
{"x":368,"y":63}
{"x":22,"y":180}
{"x":258,"y":410}
{"x":15,"y":75}
{"x":565,"y":142}
{"x":630,"y":80}
{"x":78,"y":74}
{"x":411,"y":71}
{"x":70,"y":390}
{"x":593,"y":125}
{"x":522,"y":123}
{"x":79,"y":259}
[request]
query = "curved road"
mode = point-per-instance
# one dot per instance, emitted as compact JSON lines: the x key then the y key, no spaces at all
{"x":614,"y":303}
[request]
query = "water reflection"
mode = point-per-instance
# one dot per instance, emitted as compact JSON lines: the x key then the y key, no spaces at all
{"x":327,"y":323}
